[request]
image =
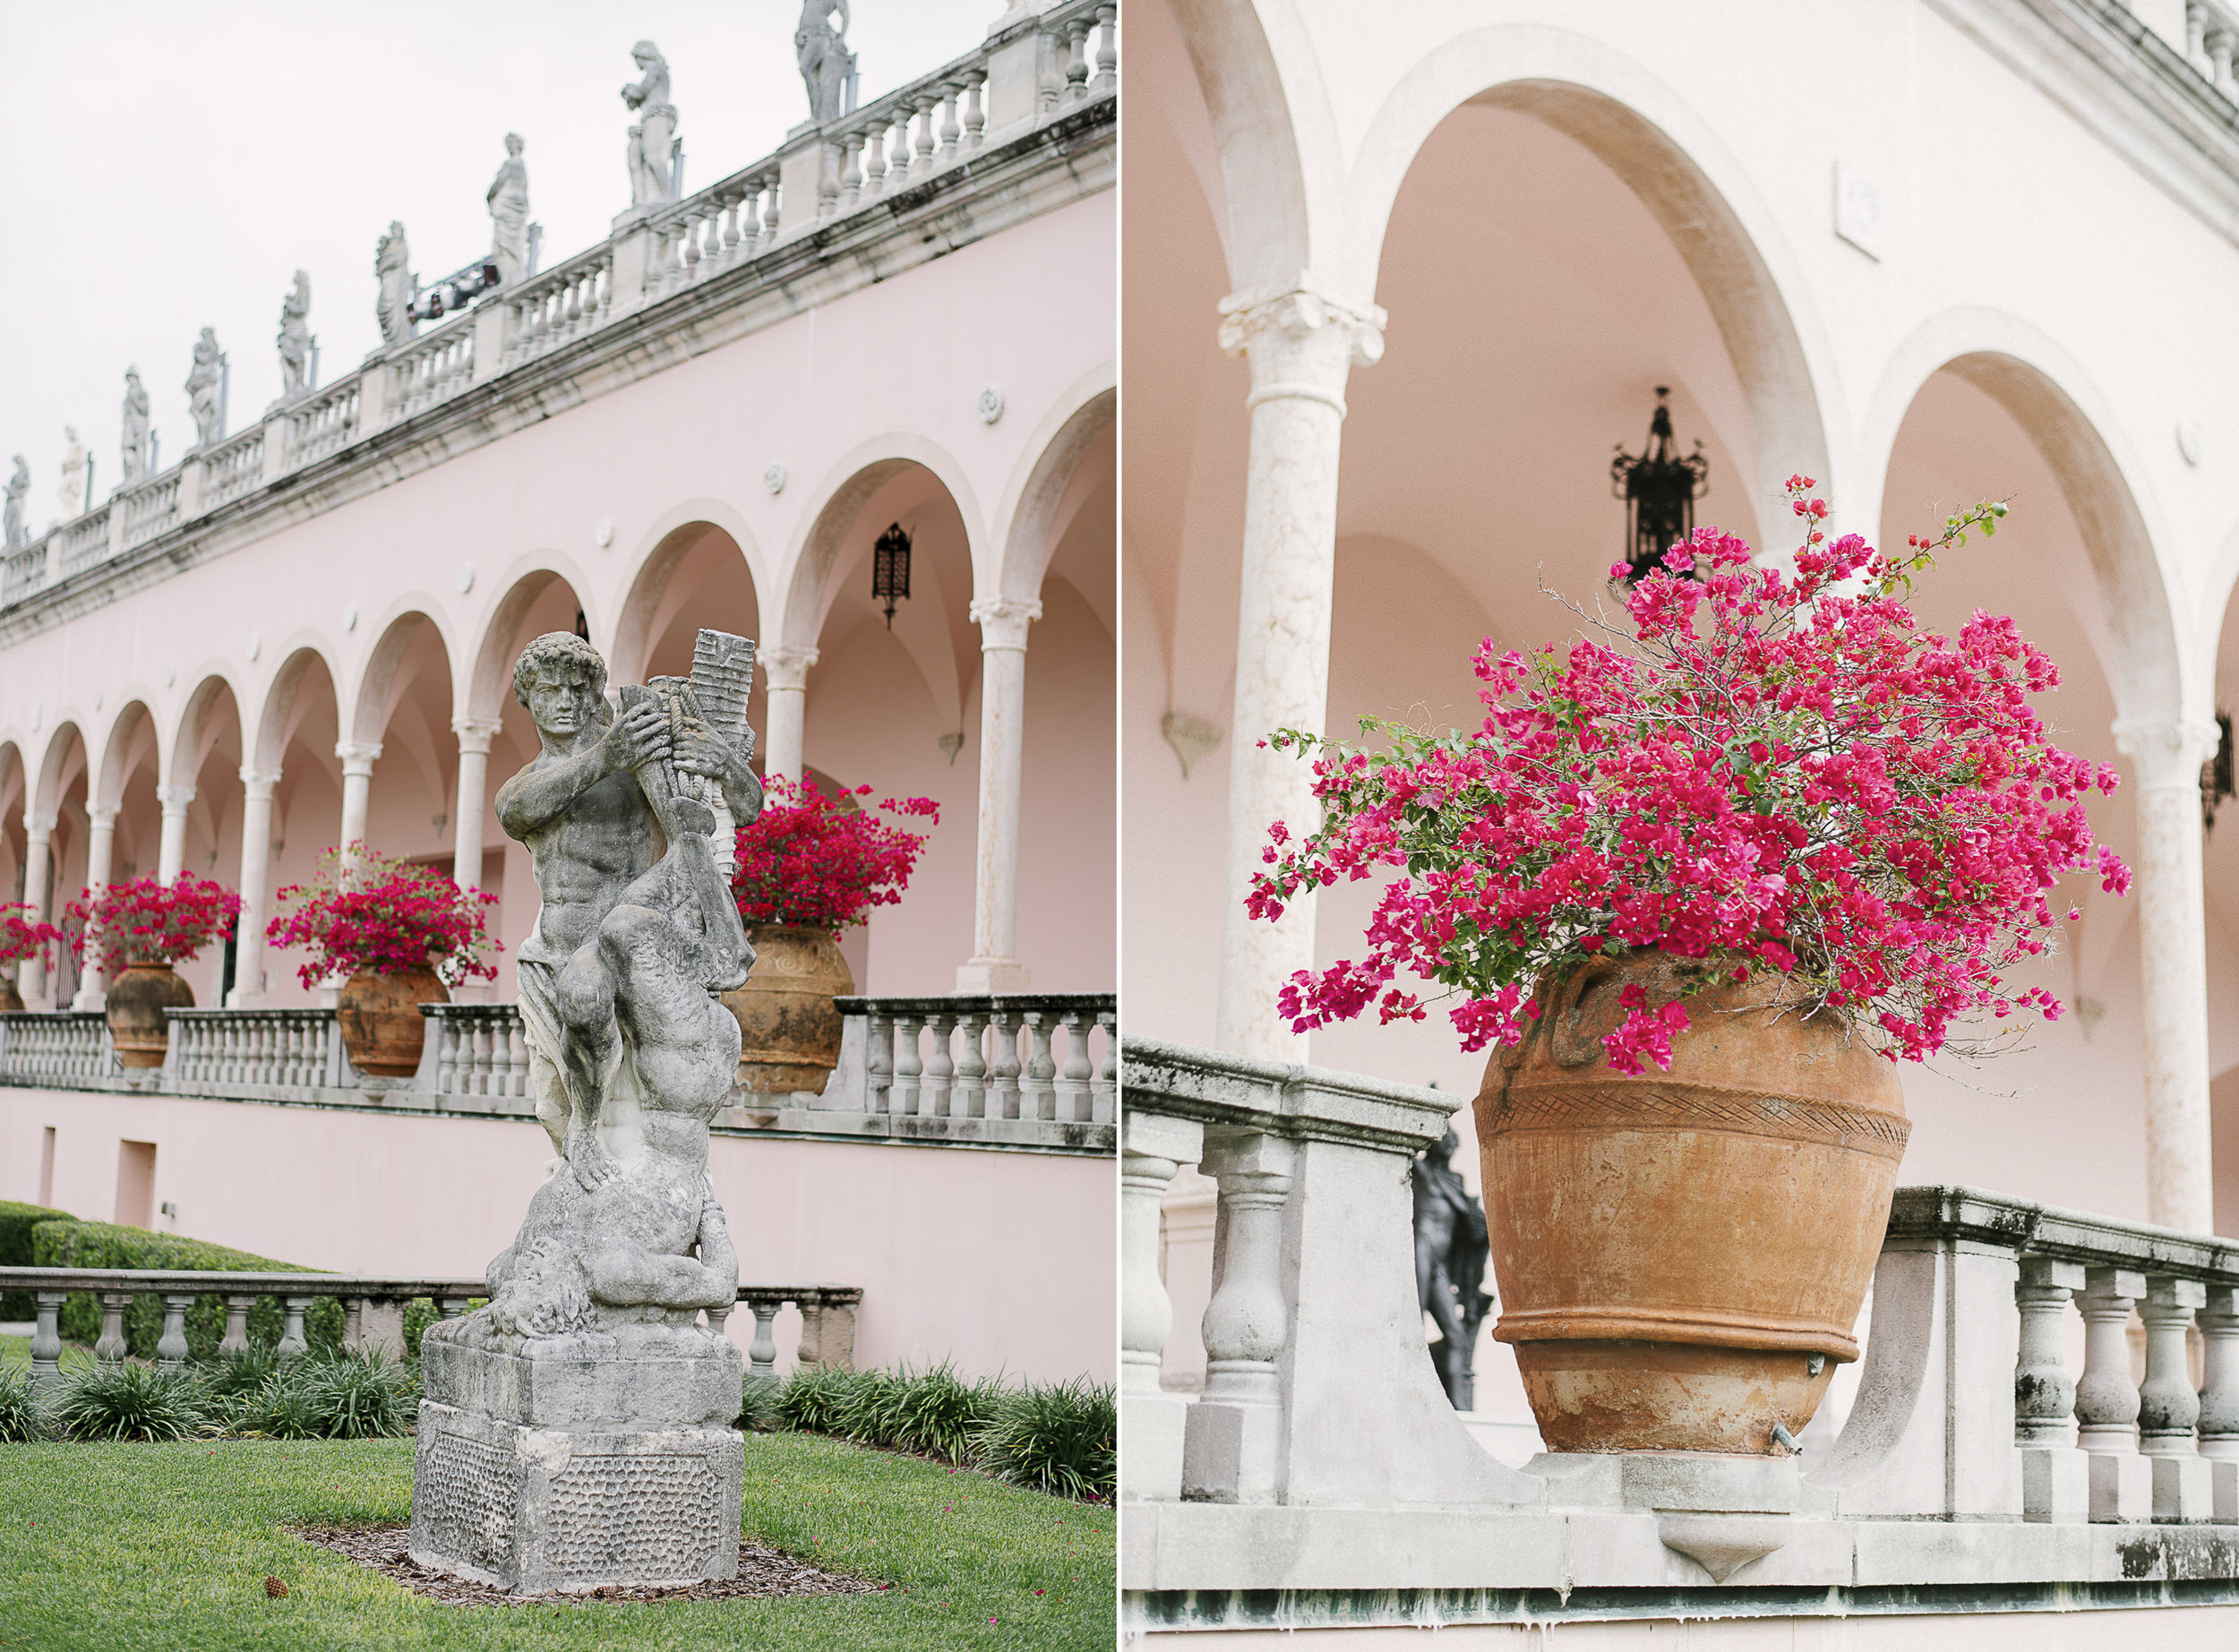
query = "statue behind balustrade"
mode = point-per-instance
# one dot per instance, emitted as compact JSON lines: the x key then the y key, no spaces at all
{"x":1451,"y":1251}
{"x":205,"y":390}
{"x":508,"y":200}
{"x":827,"y":65}
{"x":295,"y":339}
{"x":133,"y":444}
{"x":647,"y":152}
{"x":393,"y":270}
{"x":12,"y":529}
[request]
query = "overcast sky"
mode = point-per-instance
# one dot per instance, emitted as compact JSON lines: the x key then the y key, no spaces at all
{"x":167,"y":167}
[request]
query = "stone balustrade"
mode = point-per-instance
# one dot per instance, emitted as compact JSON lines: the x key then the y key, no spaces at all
{"x":218,"y":1051}
{"x":478,"y":1050}
{"x":37,"y":1047}
{"x":373,"y":1311}
{"x":1321,"y":1475}
{"x":1057,"y":66}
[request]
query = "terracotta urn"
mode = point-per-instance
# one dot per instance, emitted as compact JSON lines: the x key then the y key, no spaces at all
{"x":1682,"y":1255}
{"x":11,"y":1000}
{"x":382,"y":1029}
{"x":789,"y":1028}
{"x":137,"y":998}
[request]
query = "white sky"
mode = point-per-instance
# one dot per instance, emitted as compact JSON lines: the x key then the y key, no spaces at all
{"x":167,"y":167}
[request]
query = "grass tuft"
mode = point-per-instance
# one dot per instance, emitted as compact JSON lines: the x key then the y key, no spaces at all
{"x":1054,"y":1437}
{"x":23,"y":1416}
{"x":128,"y":1401}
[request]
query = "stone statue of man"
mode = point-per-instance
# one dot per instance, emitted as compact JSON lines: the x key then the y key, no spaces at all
{"x":507,"y":198}
{"x":826,"y":61}
{"x":590,"y":1351}
{"x":647,"y":153}
{"x":73,"y":466}
{"x":12,"y":532}
{"x":295,"y":339}
{"x":392,"y":268}
{"x":135,"y":427}
{"x":1450,"y":1247}
{"x":205,"y":382}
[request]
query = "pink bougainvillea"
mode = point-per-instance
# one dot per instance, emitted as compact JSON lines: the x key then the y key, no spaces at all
{"x":22,"y":935}
{"x":1775,"y":770}
{"x":822,"y":862}
{"x":146,"y":921}
{"x":368,"y":914}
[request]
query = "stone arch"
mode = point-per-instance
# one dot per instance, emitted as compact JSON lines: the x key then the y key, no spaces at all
{"x":848,"y":487}
{"x":56,"y":771}
{"x":189,"y":745}
{"x":1027,"y":525}
{"x":275,"y":719}
{"x":678,"y":535}
{"x":489,"y":668}
{"x":1671,"y":159}
{"x":133,"y":719}
{"x":2052,"y":399}
{"x":368,"y":709}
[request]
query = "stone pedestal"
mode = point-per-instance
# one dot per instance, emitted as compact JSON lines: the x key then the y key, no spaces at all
{"x":569,"y":1462}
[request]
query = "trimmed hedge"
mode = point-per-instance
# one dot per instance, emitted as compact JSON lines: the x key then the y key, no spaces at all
{"x":16,"y":1222}
{"x":71,"y":1243}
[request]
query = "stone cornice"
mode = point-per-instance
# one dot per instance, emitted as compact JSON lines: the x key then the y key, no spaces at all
{"x":2125,"y":84}
{"x":1065,"y":158}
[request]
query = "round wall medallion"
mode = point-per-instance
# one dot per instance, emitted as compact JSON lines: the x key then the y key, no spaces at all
{"x":465,"y":576}
{"x":602,"y":536}
{"x":773,"y":479}
{"x":990,"y":405}
{"x":2189,"y":440}
{"x":254,"y":644}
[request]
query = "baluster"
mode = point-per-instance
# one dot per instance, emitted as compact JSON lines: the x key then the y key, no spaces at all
{"x":236,"y":1338}
{"x":517,"y":1056}
{"x":2220,"y":1395}
{"x":2168,"y":1410}
{"x":110,"y":1347}
{"x":2196,"y":35}
{"x":878,"y":1061}
{"x":2219,"y":45}
{"x":605,"y":288}
{"x":292,"y":1310}
{"x":1107,"y":51}
{"x":899,"y":156}
{"x":1002,"y":1090}
{"x":1103,"y":1091}
{"x":750,"y":219}
{"x":773,"y":215}
{"x":1230,"y":1438}
{"x":171,"y":1347}
{"x":874,"y":159}
{"x":761,"y":1354}
{"x":47,"y":1335}
{"x":827,"y":184}
{"x":479,"y":1082}
{"x":921,"y":162}
{"x":970,"y":1100}
{"x":1072,"y":1085}
{"x":906,"y":1093}
{"x":2106,"y":1400}
{"x":1076,"y":61}
{"x":1152,"y":1149}
{"x":717,"y":1317}
{"x":451,"y":1308}
{"x":974,"y":117}
{"x":446,"y":1055}
{"x":1038,"y":1095}
{"x":941,"y":1068}
{"x":950,"y":130}
{"x":730,"y":248}
{"x":691,"y":246}
{"x":851,"y":173}
{"x":672,"y":258}
{"x":353,"y":1322}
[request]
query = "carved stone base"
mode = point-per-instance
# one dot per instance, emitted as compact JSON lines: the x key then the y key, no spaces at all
{"x":633,"y":1377}
{"x":539,"y":1511}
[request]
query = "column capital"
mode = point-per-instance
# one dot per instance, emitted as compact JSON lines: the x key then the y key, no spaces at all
{"x":260,"y":782}
{"x":357,"y":755}
{"x":102,"y":816}
{"x":174,"y":799}
{"x":474,"y":733}
{"x":38,"y":828}
{"x":1003,"y":619}
{"x":2167,"y":750}
{"x":786,"y":667}
{"x":1302,"y":341}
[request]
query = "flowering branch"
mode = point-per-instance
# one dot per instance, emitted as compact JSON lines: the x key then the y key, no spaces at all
{"x":146,"y":921}
{"x":823,"y":863}
{"x":24,"y":936}
{"x":365,"y":913}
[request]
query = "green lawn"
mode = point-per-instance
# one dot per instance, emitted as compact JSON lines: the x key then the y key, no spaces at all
{"x":115,"y":1549}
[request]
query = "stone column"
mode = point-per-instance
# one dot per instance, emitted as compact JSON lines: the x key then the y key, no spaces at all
{"x":785,"y":676}
{"x":2172,"y":966}
{"x":475,"y":734}
{"x":171,"y":856}
{"x":357,"y":785}
{"x":38,"y":833}
{"x":994,"y":965}
{"x":100,"y":850}
{"x":1301,"y":346}
{"x":256,"y":878}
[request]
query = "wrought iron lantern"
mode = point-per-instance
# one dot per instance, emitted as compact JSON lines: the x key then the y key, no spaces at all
{"x":2215,"y":773}
{"x":1658,"y":488}
{"x":890,"y":570}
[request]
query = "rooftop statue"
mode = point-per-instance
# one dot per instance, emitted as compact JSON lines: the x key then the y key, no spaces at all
{"x":826,"y":63}
{"x":392,"y":268}
{"x":1450,"y":1249}
{"x":589,"y":1348}
{"x":12,"y":513}
{"x":507,"y":197}
{"x":205,"y":382}
{"x":295,"y":339}
{"x":73,"y":476}
{"x":649,"y":141}
{"x":135,"y":426}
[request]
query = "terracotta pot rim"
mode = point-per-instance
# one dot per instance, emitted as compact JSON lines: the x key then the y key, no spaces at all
{"x":1695,"y":1327}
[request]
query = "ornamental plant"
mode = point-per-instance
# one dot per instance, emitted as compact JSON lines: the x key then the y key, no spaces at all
{"x":821,"y":862}
{"x":1773,"y":771}
{"x":367,"y":914}
{"x":146,"y":921}
{"x":24,"y":934}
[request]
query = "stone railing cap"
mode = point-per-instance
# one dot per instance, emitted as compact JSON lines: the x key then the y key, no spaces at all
{"x":2024,"y":1226}
{"x":1221,"y":1089}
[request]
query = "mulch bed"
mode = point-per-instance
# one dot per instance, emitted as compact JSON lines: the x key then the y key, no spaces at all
{"x":764,"y":1573}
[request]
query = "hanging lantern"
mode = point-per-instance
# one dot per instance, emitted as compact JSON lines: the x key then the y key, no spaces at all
{"x":890,"y":570}
{"x":1658,"y":489}
{"x":2215,"y":773}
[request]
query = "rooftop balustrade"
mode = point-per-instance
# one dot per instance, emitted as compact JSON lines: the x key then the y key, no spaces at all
{"x":1058,"y":69}
{"x":1321,"y":1470}
{"x":1027,"y":1071}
